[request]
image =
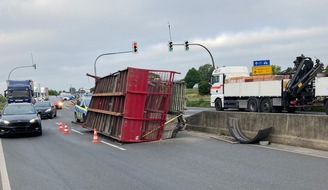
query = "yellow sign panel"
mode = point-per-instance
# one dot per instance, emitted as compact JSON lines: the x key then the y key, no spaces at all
{"x":262,"y":70}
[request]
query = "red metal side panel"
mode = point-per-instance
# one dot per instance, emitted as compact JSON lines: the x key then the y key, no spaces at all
{"x":136,"y":90}
{"x":142,"y":104}
{"x":131,"y":130}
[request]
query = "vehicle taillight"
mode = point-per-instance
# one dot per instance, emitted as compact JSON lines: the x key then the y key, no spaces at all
{"x":294,"y":102}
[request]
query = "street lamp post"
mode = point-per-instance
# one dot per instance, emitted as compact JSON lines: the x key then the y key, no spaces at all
{"x":34,"y":65}
{"x":113,"y":53}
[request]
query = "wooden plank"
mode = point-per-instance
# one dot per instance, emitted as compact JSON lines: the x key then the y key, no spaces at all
{"x":105,"y":112}
{"x":108,"y":94}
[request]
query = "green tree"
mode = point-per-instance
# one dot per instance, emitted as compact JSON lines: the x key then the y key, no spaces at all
{"x":205,"y":72}
{"x":276,"y":69}
{"x":53,"y":92}
{"x":204,"y":88}
{"x":192,"y":77}
{"x":92,"y":89}
{"x":326,"y":69}
{"x":3,"y":101}
{"x":72,"y":90}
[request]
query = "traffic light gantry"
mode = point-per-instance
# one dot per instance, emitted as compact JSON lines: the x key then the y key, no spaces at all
{"x":135,"y":47}
{"x":170,"y":45}
{"x":186,"y":45}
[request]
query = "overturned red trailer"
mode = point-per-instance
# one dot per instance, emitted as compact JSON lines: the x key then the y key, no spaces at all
{"x":131,"y":105}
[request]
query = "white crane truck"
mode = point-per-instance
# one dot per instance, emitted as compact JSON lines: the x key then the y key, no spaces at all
{"x":233,"y":87}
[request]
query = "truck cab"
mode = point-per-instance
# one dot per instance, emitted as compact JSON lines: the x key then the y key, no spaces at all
{"x":219,"y":75}
{"x":19,"y":91}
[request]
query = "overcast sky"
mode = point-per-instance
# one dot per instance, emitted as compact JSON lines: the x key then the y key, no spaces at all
{"x":66,"y":36}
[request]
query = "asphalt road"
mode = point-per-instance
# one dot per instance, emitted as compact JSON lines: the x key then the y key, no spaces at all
{"x":190,"y":161}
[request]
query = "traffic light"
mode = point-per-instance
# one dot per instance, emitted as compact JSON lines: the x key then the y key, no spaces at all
{"x":135,"y":47}
{"x":170,"y":46}
{"x":186,"y":46}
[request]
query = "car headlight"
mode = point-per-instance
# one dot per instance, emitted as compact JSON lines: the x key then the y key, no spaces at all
{"x":48,"y":110}
{"x":5,"y":122}
{"x":33,"y":120}
{"x":60,"y":103}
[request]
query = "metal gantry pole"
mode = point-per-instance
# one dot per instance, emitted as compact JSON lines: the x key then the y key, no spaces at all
{"x":204,"y":48}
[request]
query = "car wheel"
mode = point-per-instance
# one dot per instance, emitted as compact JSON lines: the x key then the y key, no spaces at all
{"x":76,"y":119}
{"x":84,"y":118}
{"x":55,"y":114}
{"x":51,"y":115}
{"x":39,"y":133}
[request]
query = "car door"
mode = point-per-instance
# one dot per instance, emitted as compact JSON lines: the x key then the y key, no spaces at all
{"x":78,"y":109}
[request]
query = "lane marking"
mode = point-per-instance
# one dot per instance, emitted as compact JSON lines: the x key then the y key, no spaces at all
{"x":3,"y":170}
{"x":113,"y":145}
{"x":76,"y":131}
{"x":292,"y":151}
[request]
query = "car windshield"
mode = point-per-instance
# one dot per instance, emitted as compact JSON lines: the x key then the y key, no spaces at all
{"x":87,"y":102}
{"x":19,"y":110}
{"x":42,"y":104}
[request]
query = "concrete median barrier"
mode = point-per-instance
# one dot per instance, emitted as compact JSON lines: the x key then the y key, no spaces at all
{"x":309,"y":131}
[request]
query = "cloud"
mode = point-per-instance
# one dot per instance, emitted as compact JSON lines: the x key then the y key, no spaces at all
{"x":65,"y":37}
{"x":263,"y":36}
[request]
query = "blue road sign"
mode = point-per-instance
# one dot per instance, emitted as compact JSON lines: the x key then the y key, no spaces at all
{"x":261,"y":62}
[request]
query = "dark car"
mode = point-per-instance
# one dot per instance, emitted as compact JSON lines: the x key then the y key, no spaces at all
{"x":58,"y":102}
{"x":46,"y":109}
{"x":20,"y":118}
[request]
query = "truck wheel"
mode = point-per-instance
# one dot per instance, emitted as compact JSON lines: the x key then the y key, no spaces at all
{"x":253,"y":105}
{"x":218,"y":105}
{"x":276,"y":109}
{"x":266,"y":105}
{"x":291,"y":110}
{"x":326,"y":107}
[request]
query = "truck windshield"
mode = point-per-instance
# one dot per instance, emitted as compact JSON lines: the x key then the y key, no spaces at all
{"x":18,"y":93}
{"x":215,"y":79}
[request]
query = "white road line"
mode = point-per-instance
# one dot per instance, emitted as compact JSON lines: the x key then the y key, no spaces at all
{"x":292,"y":151}
{"x":76,"y":131}
{"x":3,"y":170}
{"x":113,"y":145}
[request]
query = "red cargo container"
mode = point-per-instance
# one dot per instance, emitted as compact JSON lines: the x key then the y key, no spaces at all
{"x":131,"y":105}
